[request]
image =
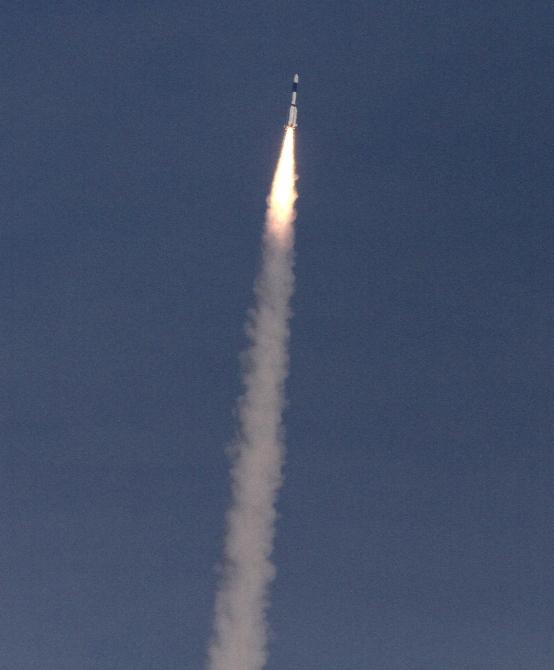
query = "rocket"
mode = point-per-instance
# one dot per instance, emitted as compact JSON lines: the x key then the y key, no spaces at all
{"x":293,"y":111}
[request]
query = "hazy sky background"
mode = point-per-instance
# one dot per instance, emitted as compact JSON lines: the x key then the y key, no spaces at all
{"x":138,"y":144}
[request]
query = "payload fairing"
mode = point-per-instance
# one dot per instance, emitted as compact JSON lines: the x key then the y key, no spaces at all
{"x":293,"y":111}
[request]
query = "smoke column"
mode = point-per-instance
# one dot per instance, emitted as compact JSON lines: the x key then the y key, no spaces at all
{"x":240,"y":629}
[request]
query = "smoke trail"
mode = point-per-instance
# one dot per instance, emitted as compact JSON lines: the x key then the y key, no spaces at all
{"x":240,"y":629}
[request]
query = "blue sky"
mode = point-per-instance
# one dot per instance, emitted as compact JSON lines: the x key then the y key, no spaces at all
{"x":139,"y":141}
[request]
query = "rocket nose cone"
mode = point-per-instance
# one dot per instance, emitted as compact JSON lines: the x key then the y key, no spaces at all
{"x":295,"y":79}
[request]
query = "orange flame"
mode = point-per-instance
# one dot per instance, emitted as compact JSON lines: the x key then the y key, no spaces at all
{"x":281,"y":213}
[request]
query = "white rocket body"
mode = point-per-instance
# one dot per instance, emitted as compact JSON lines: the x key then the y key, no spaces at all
{"x":293,"y":110}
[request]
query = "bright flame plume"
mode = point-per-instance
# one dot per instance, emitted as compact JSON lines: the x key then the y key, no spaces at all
{"x":240,"y":628}
{"x":283,"y":194}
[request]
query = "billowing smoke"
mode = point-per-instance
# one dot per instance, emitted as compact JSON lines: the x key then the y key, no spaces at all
{"x":240,"y":629}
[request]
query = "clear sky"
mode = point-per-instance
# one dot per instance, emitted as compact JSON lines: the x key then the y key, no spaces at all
{"x":138,"y":143}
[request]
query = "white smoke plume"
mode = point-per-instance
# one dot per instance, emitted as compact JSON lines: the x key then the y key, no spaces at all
{"x":240,"y":629}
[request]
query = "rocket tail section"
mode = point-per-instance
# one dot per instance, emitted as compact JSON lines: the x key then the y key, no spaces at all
{"x":291,"y":121}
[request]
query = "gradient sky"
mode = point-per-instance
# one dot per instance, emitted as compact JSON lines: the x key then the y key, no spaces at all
{"x":138,"y":141}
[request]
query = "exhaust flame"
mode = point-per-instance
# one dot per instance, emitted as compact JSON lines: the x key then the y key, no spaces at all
{"x":240,"y":629}
{"x":283,"y":193}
